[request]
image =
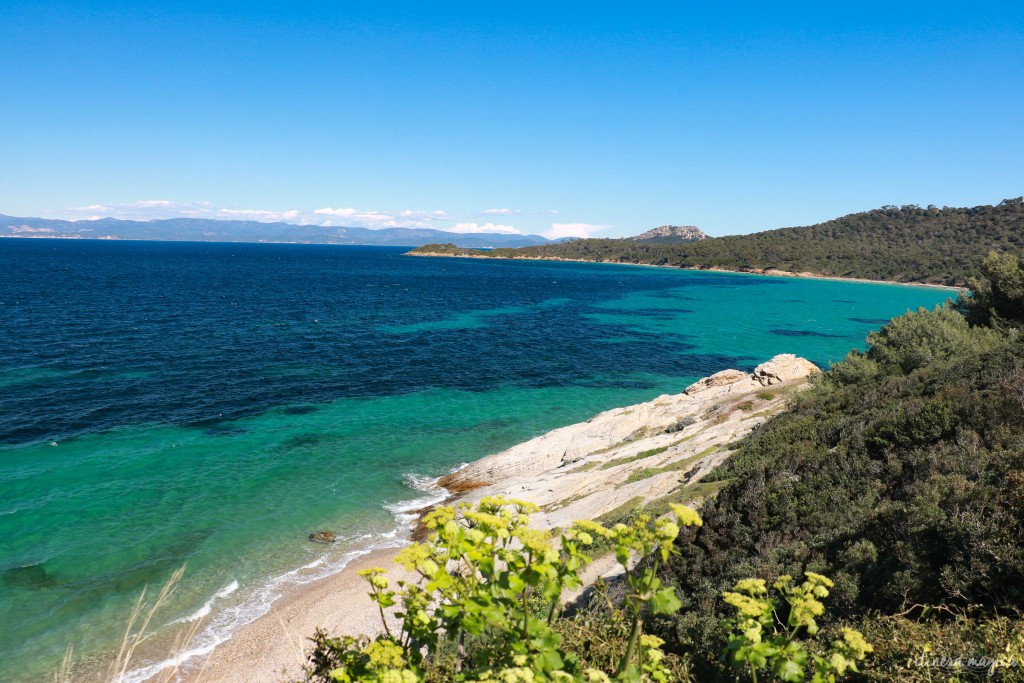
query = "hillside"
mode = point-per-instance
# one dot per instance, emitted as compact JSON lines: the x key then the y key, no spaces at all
{"x":207,"y":230}
{"x":899,"y":475}
{"x":901,"y":244}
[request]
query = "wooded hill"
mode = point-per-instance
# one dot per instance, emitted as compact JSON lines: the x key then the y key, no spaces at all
{"x":902,"y":244}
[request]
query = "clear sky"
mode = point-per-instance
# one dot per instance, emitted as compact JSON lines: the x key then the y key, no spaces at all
{"x":553,"y":118}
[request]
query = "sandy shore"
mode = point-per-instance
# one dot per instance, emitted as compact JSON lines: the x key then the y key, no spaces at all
{"x":271,"y":649}
{"x":759,"y":271}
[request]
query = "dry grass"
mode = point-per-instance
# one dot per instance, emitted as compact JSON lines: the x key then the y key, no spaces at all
{"x":137,"y":631}
{"x":63,"y":674}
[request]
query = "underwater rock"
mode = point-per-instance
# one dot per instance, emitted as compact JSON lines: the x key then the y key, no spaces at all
{"x":323,"y":537}
{"x":31,"y":576}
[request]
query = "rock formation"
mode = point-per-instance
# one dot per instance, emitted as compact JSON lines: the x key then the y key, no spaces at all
{"x":783,"y":368}
{"x":718,"y":379}
{"x":639,"y":453}
{"x":672,"y":233}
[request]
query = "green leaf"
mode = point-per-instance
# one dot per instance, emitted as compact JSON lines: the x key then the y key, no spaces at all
{"x":789,"y":671}
{"x":631,"y":675}
{"x":665,"y":601}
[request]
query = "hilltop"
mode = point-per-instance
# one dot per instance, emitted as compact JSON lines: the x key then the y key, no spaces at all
{"x":901,"y":244}
{"x":671,"y":234}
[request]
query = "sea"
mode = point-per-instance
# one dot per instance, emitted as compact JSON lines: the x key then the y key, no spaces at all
{"x":211,"y":405}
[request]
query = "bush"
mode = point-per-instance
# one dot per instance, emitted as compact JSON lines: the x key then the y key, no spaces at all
{"x":998,"y":296}
{"x":490,"y":588}
{"x":680,"y":424}
{"x":900,"y":475}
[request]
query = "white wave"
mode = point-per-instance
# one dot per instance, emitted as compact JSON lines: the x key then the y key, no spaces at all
{"x":227,"y":620}
{"x":405,"y":511}
{"x":419,"y":482}
{"x":230,"y":618}
{"x":208,"y":605}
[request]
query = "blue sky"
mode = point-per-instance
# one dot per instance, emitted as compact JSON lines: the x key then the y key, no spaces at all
{"x":575,"y":118}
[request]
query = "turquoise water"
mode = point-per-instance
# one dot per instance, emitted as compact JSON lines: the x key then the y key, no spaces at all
{"x":164,"y":404}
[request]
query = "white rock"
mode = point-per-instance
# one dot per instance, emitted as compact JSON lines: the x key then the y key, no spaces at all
{"x":716,"y":380}
{"x":784,"y":368}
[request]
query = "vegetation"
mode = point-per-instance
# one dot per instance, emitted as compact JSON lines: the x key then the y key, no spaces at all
{"x":487,"y":604}
{"x":487,"y":607}
{"x":900,"y":475}
{"x":448,"y":249}
{"x":944,"y":246}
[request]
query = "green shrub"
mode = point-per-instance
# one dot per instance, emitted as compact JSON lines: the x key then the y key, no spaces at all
{"x":680,"y":424}
{"x":945,"y":644}
{"x":491,"y":586}
{"x":762,"y":641}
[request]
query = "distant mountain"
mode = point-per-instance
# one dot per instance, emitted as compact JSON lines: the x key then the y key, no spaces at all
{"x":671,"y":234}
{"x":207,"y":230}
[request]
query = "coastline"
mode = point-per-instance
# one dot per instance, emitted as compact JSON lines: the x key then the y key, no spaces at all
{"x":273,"y":646}
{"x":603,"y":466}
{"x":761,"y":272}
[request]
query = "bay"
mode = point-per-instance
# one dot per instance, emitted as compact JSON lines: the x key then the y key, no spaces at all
{"x":212,"y":404}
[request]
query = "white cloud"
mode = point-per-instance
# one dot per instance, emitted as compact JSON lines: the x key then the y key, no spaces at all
{"x":328,"y":216}
{"x":155,"y":209}
{"x":486,"y":227}
{"x":559,"y":230}
{"x":257,"y":215}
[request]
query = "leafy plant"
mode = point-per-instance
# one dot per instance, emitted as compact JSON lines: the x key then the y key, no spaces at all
{"x":760,"y":640}
{"x":680,"y":424}
{"x":492,"y":585}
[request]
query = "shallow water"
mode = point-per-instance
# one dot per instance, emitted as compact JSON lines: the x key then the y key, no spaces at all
{"x":212,"y":404}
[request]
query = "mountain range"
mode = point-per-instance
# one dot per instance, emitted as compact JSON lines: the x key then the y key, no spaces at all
{"x":208,"y":230}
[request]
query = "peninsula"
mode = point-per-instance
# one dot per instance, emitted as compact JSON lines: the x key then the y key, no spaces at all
{"x":943,"y":246}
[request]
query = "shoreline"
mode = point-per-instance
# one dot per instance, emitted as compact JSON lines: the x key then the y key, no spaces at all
{"x":615,"y":460}
{"x":274,"y":645}
{"x":761,"y":272}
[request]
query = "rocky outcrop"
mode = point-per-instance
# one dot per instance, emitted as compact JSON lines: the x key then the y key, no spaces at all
{"x":672,"y":233}
{"x":784,"y":368}
{"x":718,"y":379}
{"x":641,"y":452}
{"x":323,"y":537}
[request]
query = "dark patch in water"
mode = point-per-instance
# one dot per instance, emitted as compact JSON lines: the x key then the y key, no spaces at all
{"x":616,"y":384}
{"x":669,"y":295}
{"x":844,"y":301}
{"x":493,"y":424}
{"x":301,"y":441}
{"x":486,"y":425}
{"x":300,"y":410}
{"x":793,"y":301}
{"x":664,"y":314}
{"x":34,"y":576}
{"x":870,"y":321}
{"x":806,"y":333}
{"x":224,"y":430}
{"x":155,"y":561}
